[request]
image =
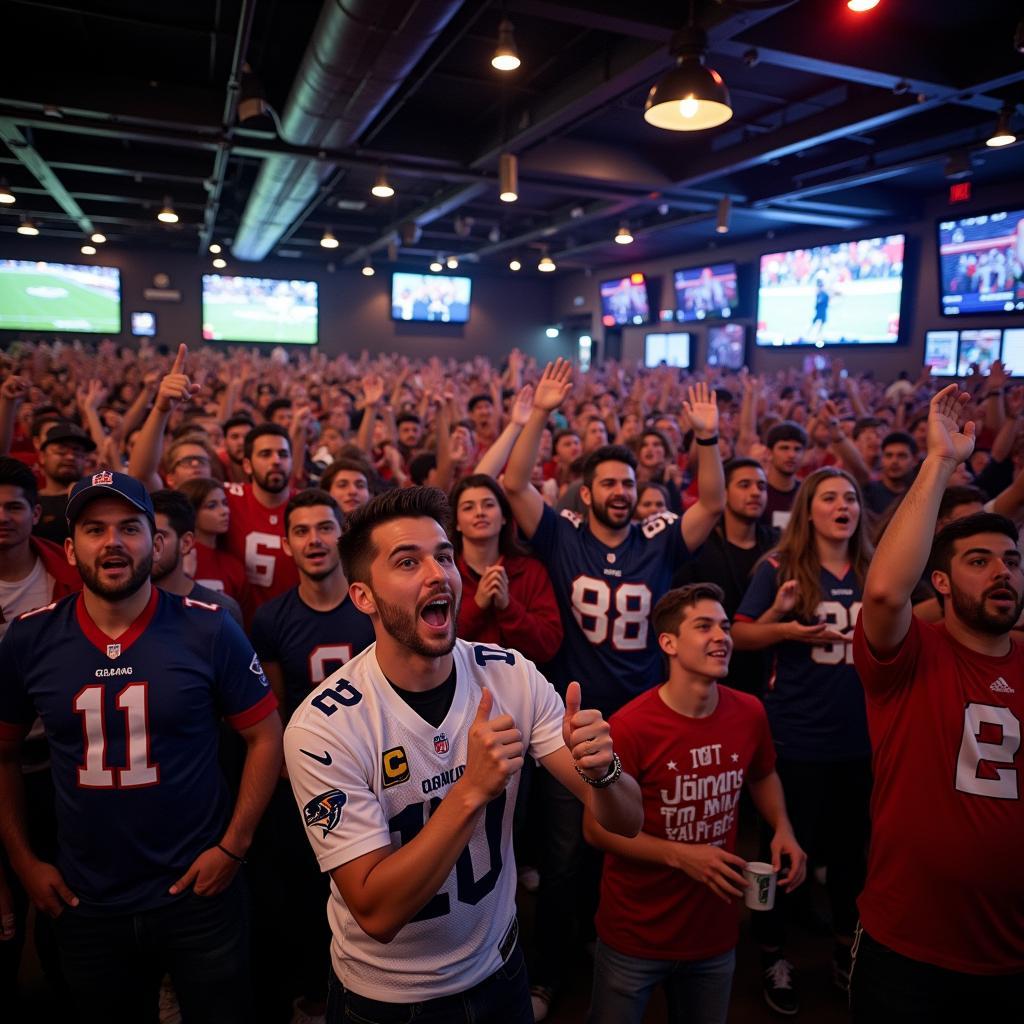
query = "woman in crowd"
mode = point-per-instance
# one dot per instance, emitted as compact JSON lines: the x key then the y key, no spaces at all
{"x":215,"y":568}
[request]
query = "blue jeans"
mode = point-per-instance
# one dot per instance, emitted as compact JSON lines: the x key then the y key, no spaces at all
{"x":113,"y":963}
{"x":502,"y":998}
{"x":698,"y":990}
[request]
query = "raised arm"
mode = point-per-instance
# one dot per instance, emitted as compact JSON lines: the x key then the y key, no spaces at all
{"x":748,"y":435}
{"x":842,"y":447}
{"x":699,"y":519}
{"x":13,"y":392}
{"x":373,"y":395}
{"x":492,"y":462}
{"x":903,"y":551}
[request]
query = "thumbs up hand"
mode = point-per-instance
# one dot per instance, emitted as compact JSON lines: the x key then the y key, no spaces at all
{"x":587,"y":735}
{"x":495,"y":752}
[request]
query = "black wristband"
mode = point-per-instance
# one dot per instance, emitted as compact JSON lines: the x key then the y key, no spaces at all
{"x":707,"y":442}
{"x":233,"y":856}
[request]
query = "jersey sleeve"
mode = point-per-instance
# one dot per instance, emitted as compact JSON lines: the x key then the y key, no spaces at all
{"x":342,"y":816}
{"x":884,"y":677}
{"x":243,"y":691}
{"x":16,"y":711}
{"x":667,"y":527}
{"x":264,"y":634}
{"x":760,"y":594}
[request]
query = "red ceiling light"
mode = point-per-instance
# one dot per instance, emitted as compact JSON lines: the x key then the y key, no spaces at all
{"x":860,"y":6}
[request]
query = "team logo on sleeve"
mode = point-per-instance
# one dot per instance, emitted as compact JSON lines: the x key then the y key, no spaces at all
{"x":257,"y":670}
{"x":441,"y":743}
{"x":394,"y":766}
{"x":113,"y":651}
{"x":325,"y":810}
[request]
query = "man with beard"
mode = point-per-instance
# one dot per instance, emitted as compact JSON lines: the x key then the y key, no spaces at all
{"x":132,"y":685}
{"x":256,"y":531}
{"x":233,"y":453}
{"x":406,"y":765}
{"x":608,"y":573}
{"x":61,"y":462}
{"x":786,"y":443}
{"x":942,"y":911}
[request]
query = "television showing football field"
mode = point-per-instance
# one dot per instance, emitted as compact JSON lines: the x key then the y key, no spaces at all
{"x":259,"y":309}
{"x":843,"y":294}
{"x":38,"y":296}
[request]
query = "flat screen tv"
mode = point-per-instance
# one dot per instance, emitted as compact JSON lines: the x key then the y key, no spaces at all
{"x":41,"y":296}
{"x":1013,"y":351}
{"x":625,"y":301}
{"x":981,"y":263}
{"x":843,"y":294}
{"x":671,"y":349}
{"x":727,"y":346}
{"x":144,"y":324}
{"x":981,"y":347}
{"x":259,"y":309}
{"x":430,"y":298}
{"x":940,"y":352}
{"x":706,"y":293}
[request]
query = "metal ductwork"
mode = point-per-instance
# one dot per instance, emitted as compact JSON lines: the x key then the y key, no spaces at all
{"x":359,"y":54}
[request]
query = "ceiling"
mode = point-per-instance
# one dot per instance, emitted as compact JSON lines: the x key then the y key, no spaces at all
{"x":840,"y":121}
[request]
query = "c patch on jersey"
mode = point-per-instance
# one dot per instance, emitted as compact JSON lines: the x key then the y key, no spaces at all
{"x":325,"y":810}
{"x":394,"y":766}
{"x":257,"y":670}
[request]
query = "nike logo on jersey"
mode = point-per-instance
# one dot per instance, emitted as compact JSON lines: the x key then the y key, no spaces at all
{"x":325,"y":759}
{"x":1002,"y":686}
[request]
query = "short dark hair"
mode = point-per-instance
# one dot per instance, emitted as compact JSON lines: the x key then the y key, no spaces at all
{"x":275,"y":405}
{"x":345,"y":464}
{"x":356,"y":545}
{"x":941,"y":559}
{"x":606,"y":453}
{"x":477,"y":399}
{"x":14,"y":473}
{"x":421,"y":465}
{"x":670,"y":611}
{"x":865,"y":423}
{"x":965,"y":494}
{"x":310,"y":498}
{"x":563,"y":433}
{"x":264,"y":430}
{"x":735,"y":465}
{"x":407,"y":417}
{"x":787,"y":430}
{"x":240,"y":419}
{"x":899,"y":437}
{"x":178,"y":509}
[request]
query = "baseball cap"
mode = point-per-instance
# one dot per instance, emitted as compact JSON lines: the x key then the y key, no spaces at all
{"x":69,"y":433}
{"x":106,"y":484}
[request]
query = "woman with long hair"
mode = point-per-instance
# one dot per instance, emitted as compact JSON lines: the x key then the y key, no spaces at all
{"x":656,"y":463}
{"x":801,"y":606}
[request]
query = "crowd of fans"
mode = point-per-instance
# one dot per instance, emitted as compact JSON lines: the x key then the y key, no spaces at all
{"x":578,"y":501}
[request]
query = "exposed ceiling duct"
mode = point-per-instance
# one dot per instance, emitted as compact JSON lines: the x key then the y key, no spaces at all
{"x":359,"y":54}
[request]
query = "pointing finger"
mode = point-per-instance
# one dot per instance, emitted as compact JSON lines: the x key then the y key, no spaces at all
{"x":179,"y":359}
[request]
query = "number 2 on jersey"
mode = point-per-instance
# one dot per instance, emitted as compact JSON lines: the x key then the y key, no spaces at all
{"x":592,"y":601}
{"x":94,"y":773}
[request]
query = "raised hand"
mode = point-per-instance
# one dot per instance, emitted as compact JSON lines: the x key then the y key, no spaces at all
{"x":495,"y":751}
{"x":587,"y":735}
{"x":554,"y":385}
{"x":176,"y":386}
{"x":997,"y":376}
{"x":701,"y":407}
{"x":785,"y":598}
{"x":373,"y":389}
{"x":945,"y":439}
{"x":15,"y":389}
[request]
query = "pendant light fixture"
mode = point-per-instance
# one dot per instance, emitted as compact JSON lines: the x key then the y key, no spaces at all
{"x":167,"y":214}
{"x":623,"y":236}
{"x":6,"y":195}
{"x":220,"y":263}
{"x":724,"y":212}
{"x":436,"y":265}
{"x":508,"y":178}
{"x":88,"y":250}
{"x":368,"y":270}
{"x":1003,"y":135}
{"x":98,"y":237}
{"x":506,"y":56}
{"x":452,"y":263}
{"x":214,"y":248}
{"x":27,"y":227}
{"x":546,"y":264}
{"x":382,"y":188}
{"x":514,"y":265}
{"x":328,"y":241}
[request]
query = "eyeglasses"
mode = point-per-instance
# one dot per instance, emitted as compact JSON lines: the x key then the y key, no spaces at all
{"x":192,"y":461}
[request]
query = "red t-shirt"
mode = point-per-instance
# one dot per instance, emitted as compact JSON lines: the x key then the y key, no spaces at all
{"x":254,"y":537}
{"x":690,"y":771}
{"x":946,"y":867}
{"x":220,"y":571}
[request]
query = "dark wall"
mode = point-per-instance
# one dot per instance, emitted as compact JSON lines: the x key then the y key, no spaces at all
{"x":355,"y":311}
{"x":920,"y":310}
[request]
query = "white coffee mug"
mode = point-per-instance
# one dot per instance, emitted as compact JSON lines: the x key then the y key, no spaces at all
{"x":760,"y":893}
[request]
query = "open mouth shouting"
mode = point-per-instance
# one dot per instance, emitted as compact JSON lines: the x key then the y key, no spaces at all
{"x":1005,"y":597}
{"x":437,"y":614}
{"x":115,"y":565}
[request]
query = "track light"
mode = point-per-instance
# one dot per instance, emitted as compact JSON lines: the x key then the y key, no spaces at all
{"x":328,"y":241}
{"x":691,"y":96}
{"x":514,"y":265}
{"x":382,"y":188}
{"x":1003,"y":135}
{"x":27,"y":227}
{"x":506,"y":57}
{"x":220,"y":263}
{"x":368,"y":270}
{"x":98,"y":237}
{"x":546,"y":264}
{"x":724,"y":212}
{"x":623,"y":235}
{"x":452,"y":263}
{"x":508,"y":178}
{"x":6,"y":195}
{"x":167,"y":214}
{"x":88,"y":250}
{"x":214,"y":248}
{"x":436,"y":265}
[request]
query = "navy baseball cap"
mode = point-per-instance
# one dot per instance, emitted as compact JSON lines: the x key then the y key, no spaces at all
{"x":106,"y":484}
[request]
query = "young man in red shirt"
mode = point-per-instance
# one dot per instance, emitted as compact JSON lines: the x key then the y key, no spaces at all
{"x":667,"y":911}
{"x":941,"y":936}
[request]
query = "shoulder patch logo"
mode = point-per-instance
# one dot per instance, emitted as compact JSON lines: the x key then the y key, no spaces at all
{"x":257,"y":670}
{"x":573,"y":517}
{"x":324,"y":811}
{"x":394,"y":767}
{"x":104,"y":477}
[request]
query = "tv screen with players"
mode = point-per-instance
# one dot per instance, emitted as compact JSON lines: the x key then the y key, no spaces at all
{"x":1013,"y":351}
{"x":940,"y":352}
{"x":625,"y":301}
{"x":41,"y":296}
{"x":671,"y":349}
{"x":706,"y":293}
{"x":430,"y":298}
{"x":981,"y":263}
{"x":843,"y":294}
{"x":980,"y":347}
{"x":259,"y":309}
{"x":727,"y":346}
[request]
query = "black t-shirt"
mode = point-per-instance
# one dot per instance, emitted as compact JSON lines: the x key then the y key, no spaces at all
{"x":52,"y":525}
{"x":776,"y":512}
{"x":430,"y":705}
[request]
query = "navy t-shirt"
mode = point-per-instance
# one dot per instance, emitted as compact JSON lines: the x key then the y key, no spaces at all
{"x":133,"y":725}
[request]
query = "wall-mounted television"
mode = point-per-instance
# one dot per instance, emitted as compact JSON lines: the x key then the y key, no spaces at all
{"x":430,"y":298}
{"x":259,"y":309}
{"x":1013,"y":351}
{"x":39,"y":296}
{"x":706,"y":293}
{"x":672,"y":349}
{"x":727,"y":346}
{"x":624,"y":301}
{"x":940,"y":348}
{"x":981,"y":263}
{"x":979,"y":346}
{"x":843,"y":294}
{"x":144,"y":324}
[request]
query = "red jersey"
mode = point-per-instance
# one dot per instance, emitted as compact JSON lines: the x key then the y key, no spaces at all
{"x":945,"y":883}
{"x":690,"y":772}
{"x":254,"y":537}
{"x":220,"y":571}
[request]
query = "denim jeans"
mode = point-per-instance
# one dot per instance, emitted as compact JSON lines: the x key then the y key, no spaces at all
{"x":698,"y":990}
{"x":113,"y":963}
{"x":888,"y":988}
{"x":502,"y":998}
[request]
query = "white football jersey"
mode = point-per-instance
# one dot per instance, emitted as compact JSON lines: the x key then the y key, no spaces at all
{"x":367,"y":771}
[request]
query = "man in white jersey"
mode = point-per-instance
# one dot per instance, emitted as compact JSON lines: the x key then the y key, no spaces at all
{"x":405,"y":765}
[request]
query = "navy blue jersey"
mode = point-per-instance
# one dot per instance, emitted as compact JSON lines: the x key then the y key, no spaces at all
{"x":308,"y":644}
{"x":815,"y":701}
{"x":134,"y":728}
{"x":606,"y":596}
